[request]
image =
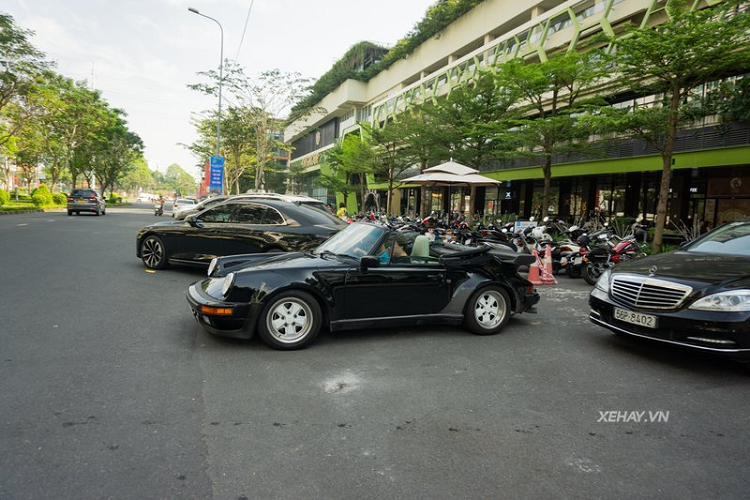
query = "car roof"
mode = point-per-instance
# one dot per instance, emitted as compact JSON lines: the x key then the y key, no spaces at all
{"x":284,"y":197}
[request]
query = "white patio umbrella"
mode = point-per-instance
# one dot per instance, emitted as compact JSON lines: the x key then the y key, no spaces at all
{"x":451,"y":167}
{"x":437,"y":178}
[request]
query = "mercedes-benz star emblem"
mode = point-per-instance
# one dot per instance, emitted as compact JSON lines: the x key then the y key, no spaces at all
{"x":653,"y":270}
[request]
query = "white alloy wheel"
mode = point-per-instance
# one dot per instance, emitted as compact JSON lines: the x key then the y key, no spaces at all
{"x":289,"y":320}
{"x":489,"y":309}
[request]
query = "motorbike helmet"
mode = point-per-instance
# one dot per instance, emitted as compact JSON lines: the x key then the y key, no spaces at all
{"x":583,"y":240}
{"x":538,"y":233}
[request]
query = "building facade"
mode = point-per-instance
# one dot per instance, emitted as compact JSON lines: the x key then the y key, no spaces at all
{"x":711,"y":179}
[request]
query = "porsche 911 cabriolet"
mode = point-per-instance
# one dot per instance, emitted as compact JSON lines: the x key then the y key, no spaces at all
{"x":368,"y":275}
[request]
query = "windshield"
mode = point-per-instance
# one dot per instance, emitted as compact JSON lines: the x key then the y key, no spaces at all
{"x":731,"y":239}
{"x":354,"y":241}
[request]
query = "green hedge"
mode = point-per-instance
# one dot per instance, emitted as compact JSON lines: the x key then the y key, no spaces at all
{"x":4,"y":197}
{"x":59,"y":199}
{"x":41,"y":196}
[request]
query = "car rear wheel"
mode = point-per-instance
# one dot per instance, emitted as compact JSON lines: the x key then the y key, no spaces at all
{"x":487,"y":311}
{"x":153,"y":253}
{"x":70,"y":212}
{"x":290,"y":320}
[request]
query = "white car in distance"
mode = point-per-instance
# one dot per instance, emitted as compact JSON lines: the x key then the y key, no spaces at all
{"x":181,"y":204}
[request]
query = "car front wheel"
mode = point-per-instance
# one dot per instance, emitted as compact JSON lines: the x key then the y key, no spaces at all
{"x":487,"y":311}
{"x":153,"y":254}
{"x":289,"y":321}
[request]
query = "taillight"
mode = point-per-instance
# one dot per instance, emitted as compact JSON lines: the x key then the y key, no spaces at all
{"x":70,"y":198}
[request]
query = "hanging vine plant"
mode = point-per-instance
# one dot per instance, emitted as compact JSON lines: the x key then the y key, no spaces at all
{"x":365,"y":60}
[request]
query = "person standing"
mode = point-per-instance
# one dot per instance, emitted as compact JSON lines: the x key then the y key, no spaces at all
{"x":341,"y":213}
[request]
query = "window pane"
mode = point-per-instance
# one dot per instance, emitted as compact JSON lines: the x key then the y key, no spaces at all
{"x":272,"y":216}
{"x":222,"y":213}
{"x":249,"y":214}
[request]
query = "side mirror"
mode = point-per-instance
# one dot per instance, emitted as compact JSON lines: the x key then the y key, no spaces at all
{"x":193,"y":221}
{"x":368,"y":261}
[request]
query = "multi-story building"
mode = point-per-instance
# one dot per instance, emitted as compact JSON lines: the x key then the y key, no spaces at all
{"x":711,"y":178}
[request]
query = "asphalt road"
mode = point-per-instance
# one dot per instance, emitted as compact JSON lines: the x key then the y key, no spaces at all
{"x":111,"y":390}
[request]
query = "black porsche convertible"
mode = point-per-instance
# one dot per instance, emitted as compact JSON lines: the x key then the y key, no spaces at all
{"x":367,"y":275}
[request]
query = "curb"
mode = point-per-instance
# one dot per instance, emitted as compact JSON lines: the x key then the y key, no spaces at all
{"x":18,"y":212}
{"x":31,"y":211}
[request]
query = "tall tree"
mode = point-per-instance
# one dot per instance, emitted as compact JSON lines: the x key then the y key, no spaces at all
{"x":20,"y":66}
{"x":669,"y":61}
{"x":119,"y":151}
{"x":393,"y":154}
{"x":551,"y":93}
{"x":264,"y":98}
{"x":180,"y":181}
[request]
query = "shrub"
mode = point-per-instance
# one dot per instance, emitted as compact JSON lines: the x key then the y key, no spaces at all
{"x":4,"y":197}
{"x":59,"y":199}
{"x":41,"y":196}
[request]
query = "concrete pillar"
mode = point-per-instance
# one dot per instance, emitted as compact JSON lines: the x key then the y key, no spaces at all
{"x":537,"y":11}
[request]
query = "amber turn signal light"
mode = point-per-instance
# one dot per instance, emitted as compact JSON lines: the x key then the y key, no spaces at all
{"x":217,"y":311}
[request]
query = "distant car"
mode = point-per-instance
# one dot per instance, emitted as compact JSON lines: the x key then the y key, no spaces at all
{"x":181,"y":204}
{"x":697,"y":297}
{"x":235,"y":227}
{"x":86,"y":200}
{"x":366,"y":276}
{"x":186,"y":210}
{"x":294,"y":198}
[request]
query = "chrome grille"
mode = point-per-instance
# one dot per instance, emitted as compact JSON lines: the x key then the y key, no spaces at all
{"x":647,"y":293}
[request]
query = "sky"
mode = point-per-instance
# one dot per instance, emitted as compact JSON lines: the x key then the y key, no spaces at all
{"x":142,"y":54}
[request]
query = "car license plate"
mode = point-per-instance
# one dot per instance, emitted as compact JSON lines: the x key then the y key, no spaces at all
{"x":577,"y":261}
{"x":635,"y":318}
{"x":80,"y":201}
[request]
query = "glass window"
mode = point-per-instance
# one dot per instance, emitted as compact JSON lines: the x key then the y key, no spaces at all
{"x":272,"y":217}
{"x":222,"y":213}
{"x":249,"y":214}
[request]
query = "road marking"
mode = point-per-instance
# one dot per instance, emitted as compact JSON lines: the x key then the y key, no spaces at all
{"x":22,"y":224}
{"x":149,"y":271}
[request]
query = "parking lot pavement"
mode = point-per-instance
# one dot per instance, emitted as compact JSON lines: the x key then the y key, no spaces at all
{"x":110,"y":388}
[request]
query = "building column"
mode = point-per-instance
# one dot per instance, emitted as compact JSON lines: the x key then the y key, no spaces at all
{"x":563,"y":209}
{"x":632,"y":193}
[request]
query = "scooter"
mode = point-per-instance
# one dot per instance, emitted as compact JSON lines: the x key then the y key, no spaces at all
{"x":158,"y":209}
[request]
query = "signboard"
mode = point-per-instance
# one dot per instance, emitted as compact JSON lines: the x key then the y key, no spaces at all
{"x":216,"y":181}
{"x":523,"y":224}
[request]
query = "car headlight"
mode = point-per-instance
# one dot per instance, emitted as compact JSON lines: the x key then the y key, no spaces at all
{"x":212,"y":266}
{"x":736,"y":301}
{"x":603,"y":281}
{"x":228,"y":282}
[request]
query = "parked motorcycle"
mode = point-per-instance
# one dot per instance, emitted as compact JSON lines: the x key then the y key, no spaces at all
{"x":602,"y":257}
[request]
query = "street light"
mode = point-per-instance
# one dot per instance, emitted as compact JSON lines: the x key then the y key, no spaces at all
{"x":221,"y":77}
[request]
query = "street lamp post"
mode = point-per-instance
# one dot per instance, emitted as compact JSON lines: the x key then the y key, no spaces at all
{"x":221,"y":78}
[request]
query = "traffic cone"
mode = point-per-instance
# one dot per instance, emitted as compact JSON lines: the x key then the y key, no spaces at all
{"x":534,"y":277}
{"x":546,"y":274}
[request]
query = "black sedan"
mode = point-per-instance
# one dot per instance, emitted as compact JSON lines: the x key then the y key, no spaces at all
{"x":237,"y":226}
{"x":367,"y":275}
{"x":697,"y":297}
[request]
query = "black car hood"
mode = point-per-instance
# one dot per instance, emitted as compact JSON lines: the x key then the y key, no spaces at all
{"x":290,"y":261}
{"x":707,"y":268}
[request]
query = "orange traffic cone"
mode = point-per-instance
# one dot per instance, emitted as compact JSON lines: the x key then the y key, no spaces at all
{"x":534,"y":277}
{"x":546,"y":274}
